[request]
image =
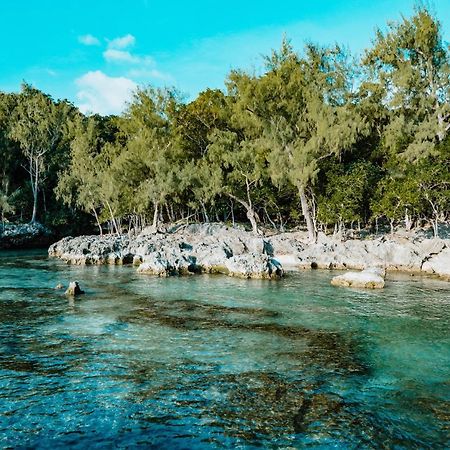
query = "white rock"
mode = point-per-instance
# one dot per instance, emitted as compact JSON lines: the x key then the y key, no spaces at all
{"x":369,"y":279}
{"x":439,"y":264}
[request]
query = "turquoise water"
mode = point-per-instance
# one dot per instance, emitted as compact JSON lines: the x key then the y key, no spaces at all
{"x":214,"y":362}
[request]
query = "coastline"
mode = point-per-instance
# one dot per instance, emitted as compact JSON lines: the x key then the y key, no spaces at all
{"x":217,"y":248}
{"x":24,"y":236}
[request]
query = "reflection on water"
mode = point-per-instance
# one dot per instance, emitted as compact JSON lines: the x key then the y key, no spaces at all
{"x":215,"y":362}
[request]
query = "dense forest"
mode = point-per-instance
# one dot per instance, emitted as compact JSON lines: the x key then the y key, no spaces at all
{"x":319,"y":139}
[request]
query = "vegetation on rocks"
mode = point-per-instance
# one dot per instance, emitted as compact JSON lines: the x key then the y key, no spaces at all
{"x":319,"y":139}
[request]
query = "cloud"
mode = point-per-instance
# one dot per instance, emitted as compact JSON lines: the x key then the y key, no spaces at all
{"x":120,"y":56}
{"x":88,"y":39}
{"x":99,"y":93}
{"x":124,"y":57}
{"x":122,"y":42}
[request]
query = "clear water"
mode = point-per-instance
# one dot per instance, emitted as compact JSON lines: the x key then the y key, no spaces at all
{"x":214,"y":362}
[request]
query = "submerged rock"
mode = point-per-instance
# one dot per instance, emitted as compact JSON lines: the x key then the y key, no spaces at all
{"x":74,"y":289}
{"x":371,"y":278}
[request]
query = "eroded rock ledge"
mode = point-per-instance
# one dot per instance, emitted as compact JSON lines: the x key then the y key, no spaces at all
{"x":216,"y":248}
{"x":28,"y":235}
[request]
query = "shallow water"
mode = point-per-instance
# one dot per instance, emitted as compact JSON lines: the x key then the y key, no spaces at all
{"x":214,"y":362}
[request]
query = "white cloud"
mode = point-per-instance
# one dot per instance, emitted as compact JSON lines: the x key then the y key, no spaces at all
{"x":112,"y":55}
{"x":99,"y":93}
{"x":88,"y":39}
{"x":122,"y":42}
{"x":122,"y":56}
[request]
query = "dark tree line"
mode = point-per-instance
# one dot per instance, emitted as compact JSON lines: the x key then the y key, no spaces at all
{"x":320,"y":139}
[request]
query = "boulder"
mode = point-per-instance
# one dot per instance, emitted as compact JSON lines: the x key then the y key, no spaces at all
{"x":439,"y":264}
{"x":74,"y":289}
{"x":165,"y":265}
{"x":371,"y":278}
{"x":254,"y":265}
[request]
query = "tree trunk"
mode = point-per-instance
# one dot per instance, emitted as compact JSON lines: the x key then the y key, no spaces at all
{"x":436,"y":227}
{"x":408,"y":221}
{"x":252,"y":218}
{"x":113,"y":219}
{"x":205,"y":214}
{"x":98,"y":222}
{"x":34,"y":173}
{"x":312,"y":234}
{"x":251,"y":215}
{"x":232,"y":212}
{"x":155,"y":215}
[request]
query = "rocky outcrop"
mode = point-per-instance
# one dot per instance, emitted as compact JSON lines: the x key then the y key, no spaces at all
{"x":371,"y":278}
{"x":74,"y":289}
{"x":439,"y":263}
{"x":183,"y":250}
{"x":216,"y":248}
{"x":415,"y":254}
{"x":28,"y":235}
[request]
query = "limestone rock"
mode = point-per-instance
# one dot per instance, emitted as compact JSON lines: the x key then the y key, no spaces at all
{"x":27,"y":235}
{"x":216,"y":248}
{"x":254,"y":266}
{"x":372,"y":278}
{"x":439,"y":264}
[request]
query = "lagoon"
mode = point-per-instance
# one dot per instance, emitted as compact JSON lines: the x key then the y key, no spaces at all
{"x":216,"y":362}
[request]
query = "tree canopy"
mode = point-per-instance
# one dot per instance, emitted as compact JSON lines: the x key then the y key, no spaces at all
{"x":317,"y":139}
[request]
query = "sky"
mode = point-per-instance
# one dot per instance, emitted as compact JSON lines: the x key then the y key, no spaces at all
{"x":96,"y":52}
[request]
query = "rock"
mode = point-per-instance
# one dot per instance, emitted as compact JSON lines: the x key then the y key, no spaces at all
{"x":165,"y":265}
{"x":371,"y":278}
{"x":254,"y":266}
{"x":217,"y":248}
{"x":74,"y":289}
{"x":59,"y":286}
{"x":28,"y":235}
{"x":439,"y":264}
{"x":379,"y":271}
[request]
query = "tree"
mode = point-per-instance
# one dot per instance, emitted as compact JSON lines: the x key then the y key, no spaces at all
{"x":397,"y":197}
{"x":80,"y":184}
{"x":10,"y":155}
{"x":235,"y":166}
{"x":37,"y":127}
{"x":305,"y":114}
{"x":410,"y":66}
{"x":151,"y":162}
{"x":346,"y":193}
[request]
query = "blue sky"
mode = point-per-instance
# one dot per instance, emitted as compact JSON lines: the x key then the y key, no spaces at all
{"x":95,"y":52}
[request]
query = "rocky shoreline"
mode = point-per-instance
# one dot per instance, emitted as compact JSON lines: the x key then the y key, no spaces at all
{"x":216,"y":248}
{"x":27,"y":235}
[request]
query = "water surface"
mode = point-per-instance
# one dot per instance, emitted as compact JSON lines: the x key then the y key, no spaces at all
{"x":215,"y":362}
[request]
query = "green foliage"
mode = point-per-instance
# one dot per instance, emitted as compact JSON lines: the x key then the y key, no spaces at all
{"x":316,"y":137}
{"x":410,"y":68}
{"x":344,"y":200}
